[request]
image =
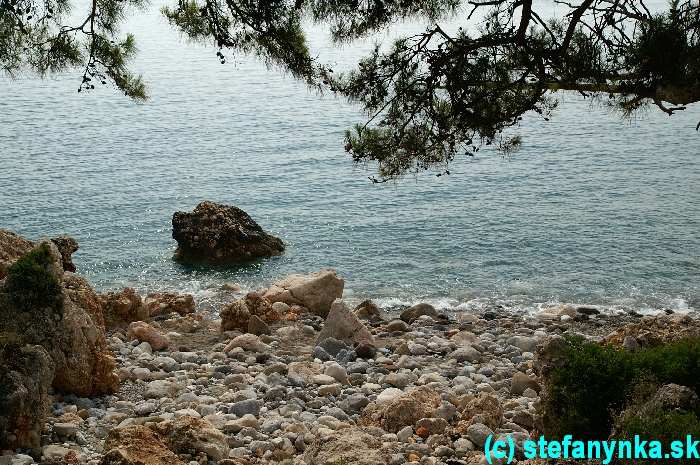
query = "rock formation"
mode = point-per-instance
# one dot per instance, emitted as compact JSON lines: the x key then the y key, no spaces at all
{"x":193,"y":435}
{"x":348,"y":446}
{"x":236,"y":316}
{"x":137,"y":445}
{"x":123,"y":307}
{"x":163,"y":303}
{"x":59,"y":311}
{"x":221,"y":234}
{"x":407,"y":409}
{"x":343,"y":325}
{"x":26,"y":373}
{"x":142,"y":331}
{"x":315,"y":291}
{"x":13,"y":246}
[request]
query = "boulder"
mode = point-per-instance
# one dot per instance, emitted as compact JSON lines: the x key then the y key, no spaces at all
{"x":368,"y":310}
{"x":658,"y":330}
{"x":236,"y":316}
{"x":26,"y":373}
{"x":257,"y":326}
{"x":483,"y":408}
{"x":42,"y":304}
{"x":123,"y":307}
{"x":356,"y":446}
{"x":189,"y":435}
{"x":343,"y":325}
{"x":413,"y":313}
{"x":67,"y":246}
{"x":221,"y":234}
{"x":144,"y":332}
{"x":248,"y":342}
{"x":13,"y":246}
{"x":137,"y":445}
{"x":407,"y":409}
{"x":163,"y":303}
{"x":520,"y":382}
{"x":316,"y":291}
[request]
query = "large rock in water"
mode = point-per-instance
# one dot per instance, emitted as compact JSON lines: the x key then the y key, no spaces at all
{"x":316,"y":291}
{"x":221,"y":234}
{"x":41,"y":304}
{"x":13,"y":246}
{"x":26,"y":373}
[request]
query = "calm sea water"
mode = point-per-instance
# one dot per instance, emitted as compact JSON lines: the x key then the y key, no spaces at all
{"x":592,"y":210}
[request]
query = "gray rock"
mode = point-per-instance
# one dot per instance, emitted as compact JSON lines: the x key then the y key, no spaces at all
{"x":477,"y":433}
{"x":332,"y":346}
{"x":246,"y":407}
{"x":466,"y":354}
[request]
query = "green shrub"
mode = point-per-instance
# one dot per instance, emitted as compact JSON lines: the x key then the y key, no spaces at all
{"x":663,"y":426}
{"x":594,"y":382}
{"x":31,"y":284}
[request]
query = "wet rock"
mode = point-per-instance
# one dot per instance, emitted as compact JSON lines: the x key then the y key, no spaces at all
{"x":137,"y":445}
{"x":221,"y":234}
{"x":316,"y":291}
{"x":142,"y":331}
{"x":343,"y":325}
{"x":26,"y":373}
{"x":163,"y":303}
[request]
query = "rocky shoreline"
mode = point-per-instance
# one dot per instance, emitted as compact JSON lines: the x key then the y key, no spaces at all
{"x":283,"y":375}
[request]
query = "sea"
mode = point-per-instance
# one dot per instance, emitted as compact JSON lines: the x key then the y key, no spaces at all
{"x":595,"y":209}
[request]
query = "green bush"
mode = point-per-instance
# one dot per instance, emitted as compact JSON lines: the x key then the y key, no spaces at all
{"x":594,"y":382}
{"x":31,"y":283}
{"x":663,"y":426}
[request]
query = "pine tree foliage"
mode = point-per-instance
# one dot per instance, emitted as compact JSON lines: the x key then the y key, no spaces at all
{"x":429,"y":97}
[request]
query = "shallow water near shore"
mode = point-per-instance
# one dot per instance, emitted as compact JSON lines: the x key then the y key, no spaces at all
{"x":592,"y":210}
